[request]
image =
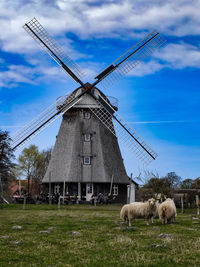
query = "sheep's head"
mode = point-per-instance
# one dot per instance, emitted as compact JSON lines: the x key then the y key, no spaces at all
{"x":152,"y":202}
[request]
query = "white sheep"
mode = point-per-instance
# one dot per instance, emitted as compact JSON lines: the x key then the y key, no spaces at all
{"x":155,"y":214}
{"x":167,"y":211}
{"x":138,"y":210}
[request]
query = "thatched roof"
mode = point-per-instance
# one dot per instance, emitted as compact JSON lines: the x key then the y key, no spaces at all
{"x":67,"y":157}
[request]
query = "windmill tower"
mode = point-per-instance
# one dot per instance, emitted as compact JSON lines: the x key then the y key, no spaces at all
{"x":86,"y":155}
{"x":86,"y":158}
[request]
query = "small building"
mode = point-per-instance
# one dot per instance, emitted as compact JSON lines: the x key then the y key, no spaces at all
{"x":131,"y":191}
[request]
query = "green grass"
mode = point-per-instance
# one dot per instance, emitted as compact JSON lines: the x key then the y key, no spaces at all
{"x":100,"y":238}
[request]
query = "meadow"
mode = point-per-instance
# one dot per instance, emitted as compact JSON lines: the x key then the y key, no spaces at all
{"x":82,"y":235}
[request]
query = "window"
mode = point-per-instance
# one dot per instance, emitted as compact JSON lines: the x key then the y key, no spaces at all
{"x":86,"y":160}
{"x":57,"y":189}
{"x":87,"y":137}
{"x":89,"y":188}
{"x":115,"y":190}
{"x":87,"y":115}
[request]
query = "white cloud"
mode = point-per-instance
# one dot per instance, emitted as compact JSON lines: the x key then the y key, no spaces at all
{"x":16,"y":74}
{"x":146,"y":68}
{"x":179,"y":56}
{"x":125,"y":19}
{"x":96,"y":19}
{"x":174,"y":56}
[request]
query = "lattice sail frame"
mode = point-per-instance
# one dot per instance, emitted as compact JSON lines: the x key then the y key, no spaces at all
{"x":42,"y":37}
{"x":130,"y":59}
{"x":43,"y":120}
{"x":127,"y":136}
{"x":106,"y":78}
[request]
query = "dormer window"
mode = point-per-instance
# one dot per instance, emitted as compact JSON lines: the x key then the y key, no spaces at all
{"x":86,"y":160}
{"x":87,"y":115}
{"x":87,"y":137}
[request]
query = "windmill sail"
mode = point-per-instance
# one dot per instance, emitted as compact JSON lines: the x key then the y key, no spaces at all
{"x":45,"y":119}
{"x":123,"y":131}
{"x":130,"y":59}
{"x":41,"y":36}
{"x":105,"y":111}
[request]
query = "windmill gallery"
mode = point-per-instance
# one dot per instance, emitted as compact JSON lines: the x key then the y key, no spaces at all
{"x":86,"y":158}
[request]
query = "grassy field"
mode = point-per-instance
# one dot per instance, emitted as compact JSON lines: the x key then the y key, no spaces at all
{"x":81,"y":235}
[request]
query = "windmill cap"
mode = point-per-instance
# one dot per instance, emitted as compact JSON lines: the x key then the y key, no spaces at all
{"x":87,"y":101}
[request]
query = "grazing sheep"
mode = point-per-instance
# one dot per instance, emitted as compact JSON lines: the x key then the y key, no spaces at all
{"x":138,"y":210}
{"x":124,"y":212}
{"x":167,"y":211}
{"x":155,"y":214}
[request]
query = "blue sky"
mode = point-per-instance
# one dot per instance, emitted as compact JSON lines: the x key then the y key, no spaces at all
{"x":159,"y":98}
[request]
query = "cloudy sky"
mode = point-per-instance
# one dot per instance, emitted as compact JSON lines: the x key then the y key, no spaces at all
{"x":159,"y":98}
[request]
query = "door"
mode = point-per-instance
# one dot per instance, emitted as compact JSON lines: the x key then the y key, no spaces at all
{"x":89,"y":191}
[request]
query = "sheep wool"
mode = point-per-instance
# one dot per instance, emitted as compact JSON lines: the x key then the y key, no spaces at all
{"x":138,"y":210}
{"x":167,"y":211}
{"x":155,"y":215}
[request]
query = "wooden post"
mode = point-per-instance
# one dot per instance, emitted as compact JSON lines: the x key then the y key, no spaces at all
{"x":79,"y":193}
{"x":111,"y":184}
{"x":50,"y":200}
{"x":197,"y":203}
{"x":128,"y":193}
{"x":59,"y":202}
{"x":182,"y":204}
{"x":95,"y":202}
{"x":24,"y":204}
{"x":64,"y":192}
{"x":130,"y":189}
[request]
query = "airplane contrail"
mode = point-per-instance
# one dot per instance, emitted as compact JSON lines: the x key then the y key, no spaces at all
{"x":159,"y":122}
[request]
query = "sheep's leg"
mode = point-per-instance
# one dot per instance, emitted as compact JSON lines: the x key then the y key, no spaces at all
{"x":125,"y":220}
{"x":129,"y":222}
{"x":147,"y":221}
{"x":152,"y":221}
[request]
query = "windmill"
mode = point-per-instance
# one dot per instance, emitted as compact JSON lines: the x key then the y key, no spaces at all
{"x":85,"y":102}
